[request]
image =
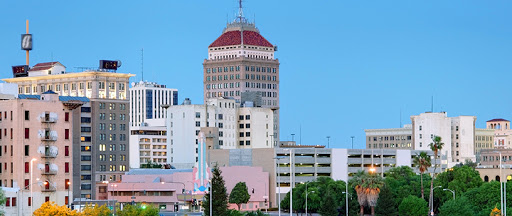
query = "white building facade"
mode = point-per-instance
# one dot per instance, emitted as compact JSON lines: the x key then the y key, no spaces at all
{"x":238,"y":127}
{"x":146,"y":100}
{"x":148,"y":143}
{"x":457,"y":134}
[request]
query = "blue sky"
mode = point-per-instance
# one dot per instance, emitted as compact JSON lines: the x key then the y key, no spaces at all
{"x":346,"y":66}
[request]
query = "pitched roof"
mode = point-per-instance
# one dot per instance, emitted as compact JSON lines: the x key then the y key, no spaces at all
{"x":44,"y":66}
{"x":234,"y":38}
{"x":497,"y":120}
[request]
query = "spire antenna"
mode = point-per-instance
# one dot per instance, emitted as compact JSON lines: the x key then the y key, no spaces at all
{"x":240,"y":10}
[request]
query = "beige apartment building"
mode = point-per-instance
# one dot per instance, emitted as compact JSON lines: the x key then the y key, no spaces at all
{"x":389,"y":138}
{"x":104,"y":121}
{"x":37,"y":139}
{"x":502,"y":132}
{"x":484,"y":139}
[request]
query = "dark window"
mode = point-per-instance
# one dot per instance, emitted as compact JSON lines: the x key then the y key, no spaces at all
{"x":247,"y":142}
{"x":14,"y":201}
{"x":85,"y":186}
{"x":241,"y":125}
{"x":241,"y":142}
{"x":66,"y":151}
{"x":27,"y":132}
{"x":66,"y":167}
{"x":8,"y":202}
{"x":66,"y":184}
{"x":86,"y":129}
{"x":241,"y":117}
{"x":86,"y":167}
{"x":221,"y":116}
{"x":46,"y":199}
{"x":29,"y":201}
{"x":66,"y":133}
{"x":86,"y":157}
{"x":85,"y":177}
{"x":149,"y":104}
{"x":247,"y":134}
{"x":85,"y":139}
{"x":175,"y":98}
{"x":11,"y":134}
{"x":27,"y":116}
{"x":86,"y":109}
{"x":26,"y":150}
{"x":27,"y":184}
{"x":247,"y":117}
{"x":66,"y":116}
{"x":241,"y":134}
{"x":27,"y":165}
{"x":247,"y":125}
{"x":85,"y":148}
{"x":85,"y":119}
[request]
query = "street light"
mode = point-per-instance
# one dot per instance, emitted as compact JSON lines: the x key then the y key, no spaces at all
{"x":31,"y":173}
{"x":453,"y":192}
{"x":307,"y":199}
{"x":278,"y":185}
{"x":328,"y":137}
{"x":69,"y":185}
{"x":352,"y":137}
{"x":501,"y":187}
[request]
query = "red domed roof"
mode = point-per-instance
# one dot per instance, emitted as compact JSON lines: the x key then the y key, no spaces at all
{"x":496,"y":120}
{"x":233,"y":38}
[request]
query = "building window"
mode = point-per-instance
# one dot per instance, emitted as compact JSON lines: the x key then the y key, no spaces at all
{"x":27,"y":132}
{"x":27,"y":167}
{"x":26,"y":150}
{"x":66,"y":151}
{"x":66,"y":116}
{"x":66,"y":133}
{"x":27,"y":115}
{"x":66,"y":167}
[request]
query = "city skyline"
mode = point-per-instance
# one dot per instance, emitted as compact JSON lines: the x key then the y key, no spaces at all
{"x":345,"y":66}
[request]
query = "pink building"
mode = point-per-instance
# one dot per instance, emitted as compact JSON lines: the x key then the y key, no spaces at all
{"x":172,"y":189}
{"x":36,"y":145}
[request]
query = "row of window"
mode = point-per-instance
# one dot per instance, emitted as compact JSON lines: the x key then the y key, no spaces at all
{"x":112,"y":116}
{"x":111,"y":127}
{"x":112,"y":147}
{"x":237,"y":68}
{"x":112,"y":106}
{"x":111,"y":157}
{"x":386,"y":138}
{"x":65,"y":87}
{"x":390,"y":145}
{"x":112,"y":137}
{"x":112,"y":168}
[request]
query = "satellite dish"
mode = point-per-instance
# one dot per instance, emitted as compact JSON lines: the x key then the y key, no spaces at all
{"x":118,"y":63}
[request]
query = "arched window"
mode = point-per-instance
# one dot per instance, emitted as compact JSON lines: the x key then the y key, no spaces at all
{"x":486,"y":178}
{"x":497,"y":178}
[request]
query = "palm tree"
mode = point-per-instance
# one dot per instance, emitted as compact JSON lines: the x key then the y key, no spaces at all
{"x":358,"y":182}
{"x":435,"y":146}
{"x":372,"y":186}
{"x":423,"y":162}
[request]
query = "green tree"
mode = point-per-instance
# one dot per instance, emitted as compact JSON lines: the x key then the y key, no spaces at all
{"x":239,"y":194}
{"x":423,"y":162}
{"x":328,"y":207}
{"x":435,"y":146}
{"x":219,"y":197}
{"x":459,"y":206}
{"x":138,"y":210}
{"x":402,"y":181}
{"x":91,"y":210}
{"x":459,"y":179}
{"x":386,"y":204}
{"x":485,"y":197}
{"x":413,"y":206}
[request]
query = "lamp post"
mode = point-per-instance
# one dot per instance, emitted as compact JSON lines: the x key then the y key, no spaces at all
{"x":346,"y":197}
{"x":278,"y":185}
{"x":293,"y":135}
{"x":328,"y":137}
{"x":31,"y":174}
{"x":291,"y":184}
{"x":501,"y":186}
{"x":69,"y":185}
{"x":453,"y":192}
{"x":182,"y":191}
{"x":307,"y":199}
{"x":352,"y":137}
{"x":211,"y":194}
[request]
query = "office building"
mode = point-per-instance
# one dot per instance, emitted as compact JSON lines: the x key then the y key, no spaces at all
{"x":390,"y":138}
{"x":146,"y":100}
{"x":104,"y":148}
{"x":148,"y":143}
{"x":484,"y":139}
{"x":241,"y":60}
{"x":502,"y":132}
{"x":37,"y":141}
{"x":225,"y":124}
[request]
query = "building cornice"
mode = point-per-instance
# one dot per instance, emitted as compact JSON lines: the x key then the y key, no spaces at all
{"x":68,"y":75}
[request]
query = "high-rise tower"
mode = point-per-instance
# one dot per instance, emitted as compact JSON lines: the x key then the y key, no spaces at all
{"x":241,"y":64}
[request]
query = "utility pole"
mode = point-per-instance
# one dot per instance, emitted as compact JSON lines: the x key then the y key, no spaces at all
{"x":328,"y":137}
{"x":352,"y":137}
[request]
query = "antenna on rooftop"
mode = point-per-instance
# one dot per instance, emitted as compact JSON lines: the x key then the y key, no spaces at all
{"x":240,"y":10}
{"x":142,"y":63}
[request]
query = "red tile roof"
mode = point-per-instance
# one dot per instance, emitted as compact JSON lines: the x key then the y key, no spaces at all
{"x":497,"y":120}
{"x":43,"y":66}
{"x":233,"y":38}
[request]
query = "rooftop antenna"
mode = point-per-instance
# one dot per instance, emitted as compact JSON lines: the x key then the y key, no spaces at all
{"x":142,"y":63}
{"x":432,"y":104}
{"x":240,"y":11}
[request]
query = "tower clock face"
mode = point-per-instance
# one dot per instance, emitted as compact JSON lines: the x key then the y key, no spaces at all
{"x":26,"y":42}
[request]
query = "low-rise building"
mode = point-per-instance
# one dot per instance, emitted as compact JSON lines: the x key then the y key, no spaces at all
{"x":148,"y":143}
{"x":390,"y":138}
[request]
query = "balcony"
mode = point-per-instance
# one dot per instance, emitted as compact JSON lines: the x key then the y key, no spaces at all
{"x":49,"y":172}
{"x":48,"y":189}
{"x":48,"y":119}
{"x":48,"y":169}
{"x":48,"y":151}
